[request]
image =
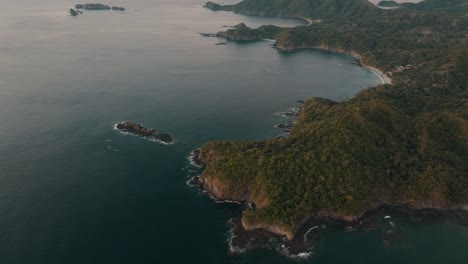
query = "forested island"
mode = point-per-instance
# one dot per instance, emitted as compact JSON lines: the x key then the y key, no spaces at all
{"x":404,"y":143}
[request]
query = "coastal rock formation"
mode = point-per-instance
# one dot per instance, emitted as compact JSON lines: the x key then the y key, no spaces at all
{"x":148,"y":133}
{"x":118,"y":8}
{"x":195,"y":158}
{"x":209,"y":35}
{"x":73,"y":12}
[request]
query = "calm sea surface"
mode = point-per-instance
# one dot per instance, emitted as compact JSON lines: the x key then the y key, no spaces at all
{"x":73,"y":190}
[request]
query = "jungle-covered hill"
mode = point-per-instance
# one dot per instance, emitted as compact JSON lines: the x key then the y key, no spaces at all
{"x":405,"y":143}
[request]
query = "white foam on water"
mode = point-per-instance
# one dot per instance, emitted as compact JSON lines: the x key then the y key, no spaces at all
{"x":113,"y":149}
{"x":191,"y":157}
{"x":225,"y":201}
{"x":303,"y":255}
{"x":234,"y":249}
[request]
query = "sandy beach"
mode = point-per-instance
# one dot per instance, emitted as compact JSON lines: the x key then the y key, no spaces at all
{"x":382,"y":76}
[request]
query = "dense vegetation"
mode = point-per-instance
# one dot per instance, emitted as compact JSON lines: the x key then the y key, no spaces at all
{"x":400,"y":143}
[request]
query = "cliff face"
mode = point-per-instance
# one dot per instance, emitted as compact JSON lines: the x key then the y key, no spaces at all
{"x":229,"y":188}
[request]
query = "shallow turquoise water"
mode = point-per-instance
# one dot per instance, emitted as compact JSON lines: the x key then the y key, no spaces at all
{"x":73,"y":190}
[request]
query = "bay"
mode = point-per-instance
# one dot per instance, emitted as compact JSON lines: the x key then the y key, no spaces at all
{"x":73,"y":190}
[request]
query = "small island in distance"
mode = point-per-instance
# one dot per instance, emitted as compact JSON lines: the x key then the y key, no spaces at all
{"x":98,"y":7}
{"x":76,"y":11}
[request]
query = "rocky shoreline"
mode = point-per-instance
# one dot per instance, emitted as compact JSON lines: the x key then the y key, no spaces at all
{"x":370,"y":216}
{"x":307,"y":238}
{"x":135,"y":129}
{"x":291,"y":115}
{"x":302,"y":242}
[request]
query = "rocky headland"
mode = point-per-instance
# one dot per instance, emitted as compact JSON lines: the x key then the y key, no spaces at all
{"x":140,"y":131}
{"x":402,"y":143}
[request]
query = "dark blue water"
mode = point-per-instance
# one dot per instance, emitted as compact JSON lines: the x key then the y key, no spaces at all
{"x":73,"y":190}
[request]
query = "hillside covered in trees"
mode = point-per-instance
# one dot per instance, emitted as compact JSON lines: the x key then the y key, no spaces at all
{"x":405,"y":143}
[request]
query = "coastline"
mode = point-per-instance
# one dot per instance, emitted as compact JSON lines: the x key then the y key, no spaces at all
{"x":378,"y":72}
{"x":306,"y":239}
{"x":382,"y":76}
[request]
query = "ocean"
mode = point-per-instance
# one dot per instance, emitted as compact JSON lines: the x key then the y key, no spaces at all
{"x":74,"y":190}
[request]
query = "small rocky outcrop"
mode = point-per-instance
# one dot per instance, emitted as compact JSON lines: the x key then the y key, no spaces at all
{"x":73,"y":12}
{"x":140,"y":131}
{"x":208,"y":35}
{"x":195,"y":158}
{"x":118,"y":8}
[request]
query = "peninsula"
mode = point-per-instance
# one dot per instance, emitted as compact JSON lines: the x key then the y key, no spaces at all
{"x":404,"y":143}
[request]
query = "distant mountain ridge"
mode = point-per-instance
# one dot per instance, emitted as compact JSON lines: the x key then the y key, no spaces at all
{"x":438,"y":5}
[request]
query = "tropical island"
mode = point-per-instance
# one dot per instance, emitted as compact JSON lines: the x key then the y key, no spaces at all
{"x":404,"y":143}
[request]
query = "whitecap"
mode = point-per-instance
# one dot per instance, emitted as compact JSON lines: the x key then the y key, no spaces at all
{"x":303,"y":255}
{"x":113,"y":149}
{"x":191,"y":157}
